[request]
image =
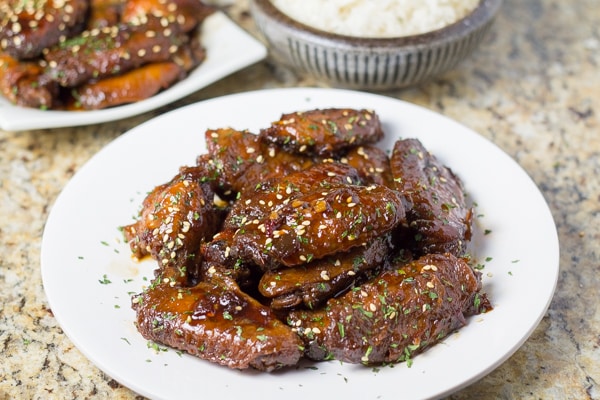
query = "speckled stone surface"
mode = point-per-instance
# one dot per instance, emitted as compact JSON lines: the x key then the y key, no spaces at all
{"x":533,"y":88}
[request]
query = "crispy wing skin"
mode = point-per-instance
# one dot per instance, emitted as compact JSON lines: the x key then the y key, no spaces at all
{"x":325,"y":133}
{"x":312,"y":284}
{"x":28,"y":27}
{"x":396,"y":315}
{"x":217,"y":322}
{"x":186,"y":13}
{"x":175,"y":218}
{"x":438,"y":216}
{"x":101,"y":53}
{"x":20,"y":83}
{"x":135,"y":85}
{"x":239,"y":160}
{"x":317,"y":224}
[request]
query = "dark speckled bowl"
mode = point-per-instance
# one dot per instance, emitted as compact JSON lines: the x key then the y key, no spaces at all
{"x":371,"y":63}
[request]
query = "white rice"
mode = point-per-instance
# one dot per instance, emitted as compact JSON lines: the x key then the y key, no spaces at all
{"x":376,"y":18}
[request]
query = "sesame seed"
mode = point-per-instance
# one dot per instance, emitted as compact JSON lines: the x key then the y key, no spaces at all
{"x":430,"y":285}
{"x":324,"y":275}
{"x":372,"y":307}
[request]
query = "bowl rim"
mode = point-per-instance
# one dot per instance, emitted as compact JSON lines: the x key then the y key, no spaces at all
{"x":484,"y":12}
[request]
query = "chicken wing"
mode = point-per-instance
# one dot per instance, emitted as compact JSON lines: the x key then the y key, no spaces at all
{"x":110,"y":51}
{"x":325,"y":133}
{"x":216,"y":321}
{"x":20,"y":83}
{"x":396,"y":315}
{"x":438,"y":216}
{"x":175,"y":218}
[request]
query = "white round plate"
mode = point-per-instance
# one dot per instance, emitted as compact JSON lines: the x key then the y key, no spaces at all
{"x":228,"y":49}
{"x":89,"y":275}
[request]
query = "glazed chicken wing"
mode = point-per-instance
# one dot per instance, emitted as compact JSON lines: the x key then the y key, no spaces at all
{"x":132,"y":86}
{"x":396,"y":315}
{"x":20,"y":83}
{"x":110,"y":51}
{"x":438,"y":217}
{"x":312,"y":284}
{"x":325,"y":133}
{"x":319,"y":223}
{"x":239,"y":160}
{"x":270,"y":196}
{"x":175,"y":218}
{"x":216,"y":321}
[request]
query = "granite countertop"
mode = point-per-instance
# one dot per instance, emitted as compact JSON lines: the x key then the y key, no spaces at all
{"x":533,"y":89}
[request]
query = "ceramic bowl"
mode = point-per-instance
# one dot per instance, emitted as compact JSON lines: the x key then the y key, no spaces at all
{"x":371,"y":63}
